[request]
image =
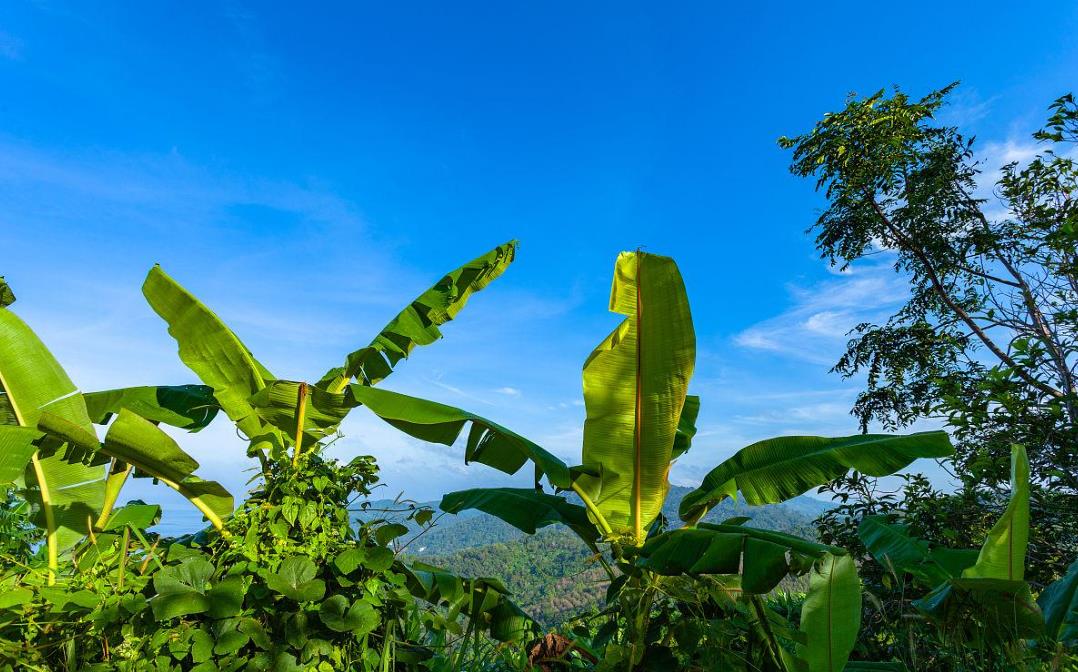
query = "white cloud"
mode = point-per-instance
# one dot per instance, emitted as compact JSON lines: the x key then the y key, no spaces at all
{"x":508,"y":391}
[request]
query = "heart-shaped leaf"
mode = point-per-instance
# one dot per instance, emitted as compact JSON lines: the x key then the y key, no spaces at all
{"x":295,"y":580}
{"x":338,"y":616}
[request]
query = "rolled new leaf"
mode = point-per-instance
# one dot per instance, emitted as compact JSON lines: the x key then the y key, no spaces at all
{"x":1003,"y":554}
{"x":488,"y":443}
{"x":142,"y":444}
{"x":831,"y":614}
{"x":216,"y":355}
{"x":635,"y":384}
{"x":65,"y":493}
{"x":761,"y":557}
{"x":525,"y":509}
{"x":774,"y":470}
{"x":418,"y":323}
{"x":190,"y":407}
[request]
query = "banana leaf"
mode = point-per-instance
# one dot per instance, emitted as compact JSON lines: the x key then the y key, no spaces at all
{"x":774,"y":470}
{"x":525,"y":509}
{"x":418,"y":323}
{"x":831,"y":615}
{"x":17,"y":445}
{"x":984,"y":611}
{"x":635,"y":385}
{"x":137,"y":441}
{"x":761,"y":557}
{"x":277,"y":405}
{"x":893,"y":548}
{"x":1003,"y":555}
{"x":190,"y":407}
{"x":1059,"y":604}
{"x":216,"y":355}
{"x":63,"y":494}
{"x":488,"y":443}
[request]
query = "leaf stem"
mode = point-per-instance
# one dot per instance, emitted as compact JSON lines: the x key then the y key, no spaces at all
{"x":50,"y":519}
{"x":301,"y":413}
{"x":603,"y":525}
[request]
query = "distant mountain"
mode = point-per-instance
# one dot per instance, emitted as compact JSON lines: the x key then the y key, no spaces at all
{"x":550,"y":573}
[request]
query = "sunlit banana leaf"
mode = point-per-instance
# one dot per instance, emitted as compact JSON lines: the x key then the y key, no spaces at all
{"x":277,"y":405}
{"x":1003,"y":555}
{"x":190,"y":407}
{"x":418,"y":323}
{"x":761,"y":557}
{"x":488,"y":443}
{"x":1059,"y":603}
{"x":686,"y":426}
{"x":635,"y":385}
{"x":142,"y":444}
{"x":525,"y":509}
{"x":831,"y":615}
{"x":892,"y":547}
{"x":214,"y":353}
{"x":774,"y":470}
{"x":16,"y":448}
{"x":63,"y":494}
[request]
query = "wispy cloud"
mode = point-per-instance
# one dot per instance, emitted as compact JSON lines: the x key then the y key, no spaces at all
{"x":815,"y":327}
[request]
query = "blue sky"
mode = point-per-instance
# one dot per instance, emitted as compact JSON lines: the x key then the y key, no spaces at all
{"x":306,"y":172}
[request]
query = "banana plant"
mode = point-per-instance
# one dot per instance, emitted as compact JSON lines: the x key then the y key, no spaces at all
{"x":974,"y":594}
{"x":274,"y":414}
{"x":50,"y":449}
{"x":640,"y":419}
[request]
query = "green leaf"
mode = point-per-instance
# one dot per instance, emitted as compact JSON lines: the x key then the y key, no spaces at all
{"x":136,"y":515}
{"x":686,"y":426}
{"x":277,"y":404}
{"x":190,"y":407}
{"x":774,"y":470}
{"x":7,"y":297}
{"x":139,"y":442}
{"x":359,"y":617}
{"x":866,"y":666}
{"x":214,"y":353}
{"x":1003,"y":555}
{"x":488,"y":443}
{"x":16,"y":448}
{"x":985,"y":609}
{"x":892,"y":547}
{"x":508,"y":622}
{"x":388,"y":532}
{"x":635,"y":384}
{"x":418,"y":323}
{"x":33,"y":383}
{"x":759,"y":556}
{"x":181,"y":589}
{"x":831,"y":614}
{"x":295,"y":579}
{"x":15,"y":597}
{"x":1059,"y":603}
{"x":524,"y":508}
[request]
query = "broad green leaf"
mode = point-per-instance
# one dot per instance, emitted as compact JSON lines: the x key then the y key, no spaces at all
{"x":214,"y":353}
{"x":388,"y":532}
{"x":892,"y":547}
{"x":67,"y":493}
{"x":774,"y":470}
{"x":134,"y":514}
{"x":508,"y":622}
{"x":15,"y":597}
{"x":831,"y":615}
{"x":359,"y":617}
{"x":488,"y":443}
{"x":16,"y":448}
{"x":1059,"y":603}
{"x":190,"y":407}
{"x":7,"y":297}
{"x":761,"y":557}
{"x":277,"y":404}
{"x":635,"y":385}
{"x":984,"y":610}
{"x":144,"y":445}
{"x":418,"y":323}
{"x":182,"y":589}
{"x":1003,"y":555}
{"x":524,"y":508}
{"x":295,"y":579}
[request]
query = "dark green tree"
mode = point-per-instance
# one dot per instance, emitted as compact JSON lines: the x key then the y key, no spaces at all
{"x":987,"y":341}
